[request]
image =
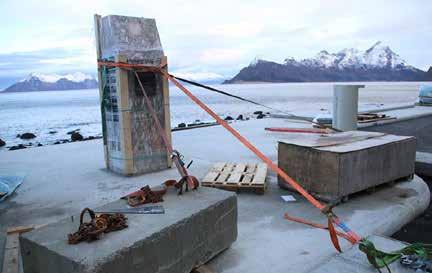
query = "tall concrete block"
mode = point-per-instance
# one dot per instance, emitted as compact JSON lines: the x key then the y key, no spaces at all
{"x":132,"y":142}
{"x":196,"y":227}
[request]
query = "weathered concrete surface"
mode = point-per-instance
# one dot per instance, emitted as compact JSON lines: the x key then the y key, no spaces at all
{"x":133,"y":37}
{"x":62,"y":179}
{"x":415,"y":121}
{"x":423,"y":164}
{"x":354,"y":261}
{"x":195,"y":227}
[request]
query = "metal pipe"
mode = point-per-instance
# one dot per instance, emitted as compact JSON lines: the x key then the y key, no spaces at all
{"x":345,"y":106}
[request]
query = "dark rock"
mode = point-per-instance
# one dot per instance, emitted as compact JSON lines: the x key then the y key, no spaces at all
{"x":57,"y":142}
{"x":229,"y":118}
{"x":75,"y":136}
{"x":260,"y":116}
{"x":71,"y":132}
{"x":65,"y":141}
{"x":17,"y":147}
{"x":52,"y":132}
{"x":91,"y":137}
{"x":27,"y":136}
{"x":2,"y":142}
{"x":240,"y":117}
{"x":39,"y":145}
{"x":258,"y":112}
{"x":181,"y":125}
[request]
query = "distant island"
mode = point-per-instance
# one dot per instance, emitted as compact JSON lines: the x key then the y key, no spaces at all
{"x":51,"y":82}
{"x":378,"y":63}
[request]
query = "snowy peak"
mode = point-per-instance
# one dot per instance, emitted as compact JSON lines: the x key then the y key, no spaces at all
{"x":52,"y":78}
{"x":49,"y":82}
{"x":379,"y":55}
{"x":376,"y":63}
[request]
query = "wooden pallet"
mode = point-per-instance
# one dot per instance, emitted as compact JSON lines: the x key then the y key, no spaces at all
{"x":237,"y":176}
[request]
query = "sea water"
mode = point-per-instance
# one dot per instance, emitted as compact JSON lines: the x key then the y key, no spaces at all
{"x":43,"y":112}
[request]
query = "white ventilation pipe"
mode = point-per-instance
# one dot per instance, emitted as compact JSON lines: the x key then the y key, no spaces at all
{"x":345,"y":106}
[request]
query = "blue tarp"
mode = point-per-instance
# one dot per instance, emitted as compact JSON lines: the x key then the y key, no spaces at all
{"x":8,"y":184}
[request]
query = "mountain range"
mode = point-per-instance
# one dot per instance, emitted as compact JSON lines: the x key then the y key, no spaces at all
{"x":378,"y":63}
{"x":50,"y":82}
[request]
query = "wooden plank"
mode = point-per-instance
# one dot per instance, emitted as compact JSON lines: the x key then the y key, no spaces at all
{"x":218,"y":167}
{"x":247,"y":178}
{"x":210,"y":177}
{"x":166,"y":108}
{"x":11,"y":254}
{"x":20,"y":229}
{"x":234,"y":178}
{"x":203,"y":269}
{"x":222,"y":178}
{"x":260,"y":175}
{"x":240,"y":168}
{"x":228,"y":168}
{"x":250,"y":167}
{"x":97,"y":21}
{"x":125,"y":119}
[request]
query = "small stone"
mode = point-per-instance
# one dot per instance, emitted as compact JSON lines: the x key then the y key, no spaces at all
{"x":240,"y":117}
{"x":2,"y":142}
{"x":52,"y":132}
{"x":258,"y":112}
{"x":75,"y":136}
{"x":73,"y":131}
{"x":39,"y":145}
{"x":229,"y":118}
{"x":57,"y":142}
{"x":260,"y":116}
{"x":17,"y":147}
{"x":181,"y":125}
{"x":27,"y":136}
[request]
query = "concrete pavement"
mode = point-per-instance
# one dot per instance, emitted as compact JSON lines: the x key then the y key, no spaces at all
{"x":63,"y":179}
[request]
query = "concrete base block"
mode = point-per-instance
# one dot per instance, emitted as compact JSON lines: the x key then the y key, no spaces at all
{"x":196,"y":226}
{"x":423,"y":164}
{"x":355,"y":261}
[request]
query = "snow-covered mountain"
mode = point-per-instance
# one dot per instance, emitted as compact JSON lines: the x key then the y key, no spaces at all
{"x":378,"y":63}
{"x":50,"y":82}
{"x":379,"y":55}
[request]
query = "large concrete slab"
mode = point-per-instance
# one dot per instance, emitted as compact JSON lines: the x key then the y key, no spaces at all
{"x":355,"y":261}
{"x":423,"y":164}
{"x":62,"y":179}
{"x":195,"y":227}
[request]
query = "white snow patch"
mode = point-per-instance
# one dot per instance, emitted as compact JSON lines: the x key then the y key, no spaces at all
{"x":75,"y":77}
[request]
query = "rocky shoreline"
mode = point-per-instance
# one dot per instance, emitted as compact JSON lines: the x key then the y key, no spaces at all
{"x":75,"y":135}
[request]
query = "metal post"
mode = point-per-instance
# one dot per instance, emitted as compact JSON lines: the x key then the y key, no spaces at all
{"x":345,"y":106}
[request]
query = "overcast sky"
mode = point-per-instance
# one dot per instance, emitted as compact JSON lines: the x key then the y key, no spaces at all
{"x":217,"y":36}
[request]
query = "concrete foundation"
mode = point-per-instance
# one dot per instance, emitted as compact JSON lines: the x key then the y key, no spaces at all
{"x":353,"y":260}
{"x":195,"y":227}
{"x":420,"y":127}
{"x":423,"y":164}
{"x":65,"y":178}
{"x":337,"y":166}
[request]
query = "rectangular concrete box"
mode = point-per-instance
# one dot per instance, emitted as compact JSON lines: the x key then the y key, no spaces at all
{"x":196,"y":226}
{"x":132,"y":142}
{"x":336,"y":166}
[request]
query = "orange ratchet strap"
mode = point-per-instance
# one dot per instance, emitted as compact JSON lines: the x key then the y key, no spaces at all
{"x":332,"y":218}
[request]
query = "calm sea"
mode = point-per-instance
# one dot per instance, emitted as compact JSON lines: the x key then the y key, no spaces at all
{"x":63,"y":111}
